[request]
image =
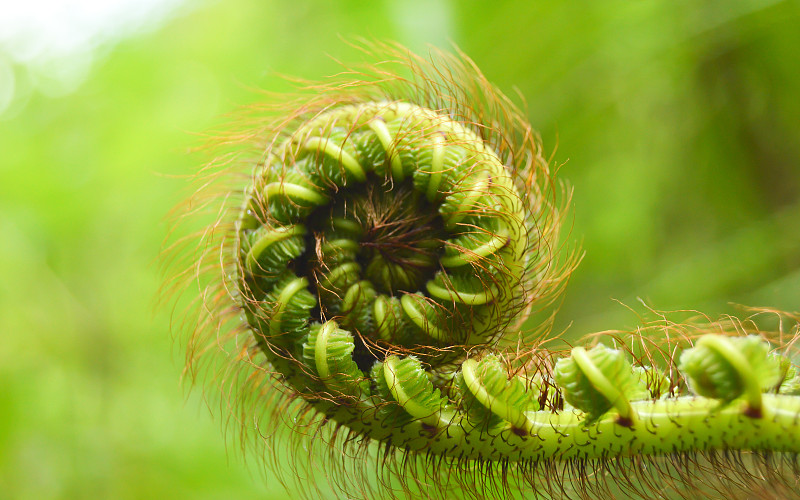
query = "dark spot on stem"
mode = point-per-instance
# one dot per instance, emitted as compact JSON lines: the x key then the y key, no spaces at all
{"x":624,"y":422}
{"x":429,"y":429}
{"x":753,"y":412}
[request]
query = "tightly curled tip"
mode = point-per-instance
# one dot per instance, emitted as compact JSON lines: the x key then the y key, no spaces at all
{"x":433,"y":229}
{"x":382,"y":224}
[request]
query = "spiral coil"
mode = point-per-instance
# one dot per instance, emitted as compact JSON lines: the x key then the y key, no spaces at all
{"x":386,"y":252}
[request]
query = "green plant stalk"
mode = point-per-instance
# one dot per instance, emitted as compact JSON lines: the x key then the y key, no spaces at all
{"x":663,"y":427}
{"x":687,"y":423}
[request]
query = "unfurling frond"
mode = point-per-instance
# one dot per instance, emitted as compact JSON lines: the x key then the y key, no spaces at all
{"x":376,"y":244}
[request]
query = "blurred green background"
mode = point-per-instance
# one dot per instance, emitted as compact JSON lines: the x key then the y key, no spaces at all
{"x":677,"y":123}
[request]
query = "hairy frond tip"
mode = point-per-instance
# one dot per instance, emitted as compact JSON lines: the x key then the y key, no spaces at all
{"x":357,"y":264}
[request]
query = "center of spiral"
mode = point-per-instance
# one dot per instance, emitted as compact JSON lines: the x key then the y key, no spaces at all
{"x":402,"y":237}
{"x":397,"y":236}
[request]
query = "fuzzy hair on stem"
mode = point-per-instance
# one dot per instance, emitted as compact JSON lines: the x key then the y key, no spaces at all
{"x":351,"y":277}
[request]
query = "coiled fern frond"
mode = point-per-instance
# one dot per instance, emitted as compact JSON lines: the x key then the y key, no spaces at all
{"x":376,"y":247}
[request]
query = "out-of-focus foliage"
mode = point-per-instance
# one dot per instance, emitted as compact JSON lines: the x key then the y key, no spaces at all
{"x":677,"y":124}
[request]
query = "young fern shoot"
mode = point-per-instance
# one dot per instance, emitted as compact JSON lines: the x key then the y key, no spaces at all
{"x":377,"y":244}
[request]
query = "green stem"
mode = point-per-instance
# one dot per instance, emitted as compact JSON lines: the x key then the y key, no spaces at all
{"x":663,"y":427}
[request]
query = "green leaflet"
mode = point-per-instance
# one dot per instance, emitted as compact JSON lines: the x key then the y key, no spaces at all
{"x":507,"y":398}
{"x":328,"y":351}
{"x":594,"y":381}
{"x":726,"y":368}
{"x":410,"y":387}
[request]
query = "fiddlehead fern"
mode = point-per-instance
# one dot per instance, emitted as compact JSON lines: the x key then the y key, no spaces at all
{"x":394,"y":234}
